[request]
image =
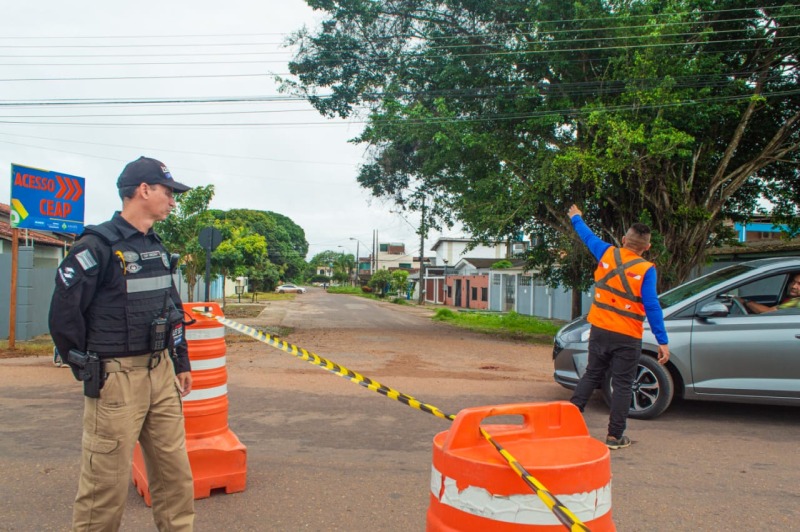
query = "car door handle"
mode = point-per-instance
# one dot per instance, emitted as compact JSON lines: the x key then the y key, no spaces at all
{"x":797,"y":336}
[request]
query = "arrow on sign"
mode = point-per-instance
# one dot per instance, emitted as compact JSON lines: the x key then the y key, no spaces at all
{"x":71,"y":186}
{"x":78,"y":190}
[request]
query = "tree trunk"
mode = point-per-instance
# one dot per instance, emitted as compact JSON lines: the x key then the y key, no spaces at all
{"x":577,"y":303}
{"x":191,"y":282}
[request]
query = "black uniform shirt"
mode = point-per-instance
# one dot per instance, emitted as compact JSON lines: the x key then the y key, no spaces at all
{"x":79,"y":277}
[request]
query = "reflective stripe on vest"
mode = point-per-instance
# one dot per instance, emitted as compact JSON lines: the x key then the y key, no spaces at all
{"x":617,"y":304}
{"x":135,"y":286}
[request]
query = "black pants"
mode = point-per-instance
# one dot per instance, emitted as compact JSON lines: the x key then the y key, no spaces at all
{"x":621,"y":354}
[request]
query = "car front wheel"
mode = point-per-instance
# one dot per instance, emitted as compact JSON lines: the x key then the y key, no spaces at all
{"x":653,"y":389}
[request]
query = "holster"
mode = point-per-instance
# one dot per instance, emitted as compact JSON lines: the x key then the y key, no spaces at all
{"x":88,"y":367}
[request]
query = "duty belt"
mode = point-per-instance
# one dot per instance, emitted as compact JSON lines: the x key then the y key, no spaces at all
{"x":149,"y":361}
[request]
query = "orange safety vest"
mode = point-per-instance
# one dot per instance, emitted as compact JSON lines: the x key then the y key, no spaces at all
{"x":617,"y":304}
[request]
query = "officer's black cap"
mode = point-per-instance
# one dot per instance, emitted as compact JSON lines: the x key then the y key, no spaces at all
{"x":150,"y":171}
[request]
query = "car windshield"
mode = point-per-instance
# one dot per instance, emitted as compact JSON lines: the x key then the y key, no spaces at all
{"x":686,"y":290}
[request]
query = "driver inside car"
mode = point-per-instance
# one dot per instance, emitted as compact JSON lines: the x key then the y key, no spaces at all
{"x":791,"y":300}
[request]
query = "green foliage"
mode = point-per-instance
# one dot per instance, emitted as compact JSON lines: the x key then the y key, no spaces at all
{"x":399,"y":283}
{"x":342,"y":265}
{"x":180,"y":231}
{"x":512,"y":324}
{"x":502,"y":114}
{"x":502,"y":265}
{"x":286,"y":245}
{"x":380,"y":282}
{"x":354,"y":290}
{"x":444,"y":314}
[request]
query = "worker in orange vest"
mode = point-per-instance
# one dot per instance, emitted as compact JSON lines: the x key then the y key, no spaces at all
{"x":624,"y":296}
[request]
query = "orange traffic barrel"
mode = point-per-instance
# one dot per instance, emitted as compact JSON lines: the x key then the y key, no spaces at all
{"x":217,"y":457}
{"x":474,"y":488}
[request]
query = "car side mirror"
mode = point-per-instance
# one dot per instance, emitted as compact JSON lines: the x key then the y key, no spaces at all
{"x":713,"y":310}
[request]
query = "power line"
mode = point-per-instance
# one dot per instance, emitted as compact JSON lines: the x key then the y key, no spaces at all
{"x":152,"y":149}
{"x":431,"y":120}
{"x":149,"y":44}
{"x":149,"y":101}
{"x":647,"y":16}
{"x":121,"y":78}
{"x":204,"y":171}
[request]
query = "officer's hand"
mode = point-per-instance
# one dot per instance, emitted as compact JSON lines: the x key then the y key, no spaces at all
{"x":184,"y":382}
{"x":663,"y":354}
{"x":573,"y":211}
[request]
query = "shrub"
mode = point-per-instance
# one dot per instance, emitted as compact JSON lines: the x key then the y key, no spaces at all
{"x":444,"y":314}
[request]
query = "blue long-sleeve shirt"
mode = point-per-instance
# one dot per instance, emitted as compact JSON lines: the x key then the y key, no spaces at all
{"x":652,"y":308}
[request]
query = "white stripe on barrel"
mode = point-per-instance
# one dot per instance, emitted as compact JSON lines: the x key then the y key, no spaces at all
{"x":211,"y":333}
{"x":199,"y":394}
{"x":523,"y":509}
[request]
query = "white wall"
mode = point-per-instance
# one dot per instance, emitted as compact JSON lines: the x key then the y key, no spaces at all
{"x":453,"y":251}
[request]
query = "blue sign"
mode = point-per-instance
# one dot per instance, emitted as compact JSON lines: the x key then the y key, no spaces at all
{"x":44,"y":200}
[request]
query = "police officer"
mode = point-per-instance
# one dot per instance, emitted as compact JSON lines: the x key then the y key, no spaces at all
{"x":114,"y":297}
{"x":624,"y":295}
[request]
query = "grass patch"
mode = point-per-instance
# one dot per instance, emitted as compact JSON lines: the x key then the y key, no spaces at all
{"x":245,"y":310}
{"x":511,"y":324}
{"x":38,"y":346}
{"x":355,"y":290}
{"x":352,"y":291}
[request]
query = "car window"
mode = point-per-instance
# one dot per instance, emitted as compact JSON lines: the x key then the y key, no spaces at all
{"x":687,"y":290}
{"x":766,"y":290}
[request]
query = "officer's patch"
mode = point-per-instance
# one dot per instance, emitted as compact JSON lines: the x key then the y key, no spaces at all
{"x":130,"y":256}
{"x":133,"y":267}
{"x":147,"y":255}
{"x":86,"y":259}
{"x":165,"y":260}
{"x":67,"y":275}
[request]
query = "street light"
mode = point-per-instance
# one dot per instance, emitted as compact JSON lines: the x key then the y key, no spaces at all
{"x":358,"y":263}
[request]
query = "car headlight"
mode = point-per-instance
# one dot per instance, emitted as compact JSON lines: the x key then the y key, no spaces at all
{"x":577,"y":334}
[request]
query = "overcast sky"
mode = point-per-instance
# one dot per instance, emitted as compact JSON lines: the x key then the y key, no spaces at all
{"x":290,"y":160}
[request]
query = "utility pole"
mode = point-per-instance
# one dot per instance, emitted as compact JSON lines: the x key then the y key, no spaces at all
{"x":422,"y":282}
{"x":376,"y":249}
{"x":356,"y":281}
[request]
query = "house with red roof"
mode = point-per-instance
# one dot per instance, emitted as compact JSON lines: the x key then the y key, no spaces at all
{"x":48,"y":248}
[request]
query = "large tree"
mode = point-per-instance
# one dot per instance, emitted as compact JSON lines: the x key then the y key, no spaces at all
{"x":286,"y":241}
{"x":681,"y":114}
{"x":181,"y":229}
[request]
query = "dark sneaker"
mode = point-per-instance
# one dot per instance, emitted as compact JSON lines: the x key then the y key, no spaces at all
{"x":614,"y":443}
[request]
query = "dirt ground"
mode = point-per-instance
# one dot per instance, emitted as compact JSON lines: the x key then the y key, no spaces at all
{"x":324,"y":454}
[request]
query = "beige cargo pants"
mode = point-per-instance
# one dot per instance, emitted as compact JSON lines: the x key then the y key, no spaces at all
{"x":136,"y":403}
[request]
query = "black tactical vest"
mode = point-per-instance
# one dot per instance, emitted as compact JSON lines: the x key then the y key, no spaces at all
{"x":133,"y":291}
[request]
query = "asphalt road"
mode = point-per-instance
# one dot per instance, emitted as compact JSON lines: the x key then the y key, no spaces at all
{"x":324,"y":454}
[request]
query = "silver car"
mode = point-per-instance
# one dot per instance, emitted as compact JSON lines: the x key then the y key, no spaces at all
{"x":718,"y":350}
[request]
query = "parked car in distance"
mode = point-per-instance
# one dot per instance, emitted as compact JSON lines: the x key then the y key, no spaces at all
{"x":719,"y":351}
{"x":290,"y":289}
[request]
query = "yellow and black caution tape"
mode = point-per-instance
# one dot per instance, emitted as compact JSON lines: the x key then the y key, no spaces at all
{"x":336,"y":369}
{"x":566,"y":517}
